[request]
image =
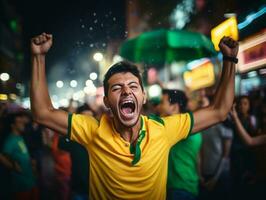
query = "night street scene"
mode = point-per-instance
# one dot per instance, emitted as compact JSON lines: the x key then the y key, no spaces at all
{"x":133,"y":99}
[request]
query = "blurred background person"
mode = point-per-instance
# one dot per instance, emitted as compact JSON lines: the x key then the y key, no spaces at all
{"x":246,"y":117}
{"x":80,"y":161}
{"x":258,"y":145}
{"x":245,"y":136}
{"x":183,"y":179}
{"x":215,"y":160}
{"x":62,"y":167}
{"x":23,"y":182}
{"x":243,"y":159}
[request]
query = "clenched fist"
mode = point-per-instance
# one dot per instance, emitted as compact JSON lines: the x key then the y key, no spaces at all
{"x":41,"y":44}
{"x":228,"y":47}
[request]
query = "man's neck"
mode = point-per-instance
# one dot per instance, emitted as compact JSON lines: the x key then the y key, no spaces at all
{"x":129,"y":134}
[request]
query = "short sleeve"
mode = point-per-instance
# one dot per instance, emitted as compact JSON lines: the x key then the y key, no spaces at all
{"x":81,"y":128}
{"x":178,"y":127}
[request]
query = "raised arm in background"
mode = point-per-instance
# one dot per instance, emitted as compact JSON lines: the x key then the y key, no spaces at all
{"x":41,"y":106}
{"x":223,"y":99}
{"x":243,"y":134}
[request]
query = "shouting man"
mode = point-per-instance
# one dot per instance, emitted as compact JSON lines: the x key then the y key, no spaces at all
{"x":128,"y":152}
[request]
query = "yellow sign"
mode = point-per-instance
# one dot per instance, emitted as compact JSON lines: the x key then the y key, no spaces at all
{"x":200,"y":77}
{"x":226,"y":28}
{"x":3,"y":97}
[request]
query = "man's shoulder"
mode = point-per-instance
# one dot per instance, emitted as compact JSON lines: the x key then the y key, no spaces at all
{"x":105,"y":123}
{"x":155,"y":119}
{"x":84,"y":118}
{"x":11,"y":142}
{"x":11,"y":138}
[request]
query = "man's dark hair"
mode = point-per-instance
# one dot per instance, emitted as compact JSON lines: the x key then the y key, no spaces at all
{"x":10,"y":119}
{"x":123,"y":66}
{"x":177,"y":97}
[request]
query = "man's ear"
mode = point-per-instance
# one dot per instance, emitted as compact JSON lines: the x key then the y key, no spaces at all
{"x":176,"y":108}
{"x":145,"y":97}
{"x":106,"y":102}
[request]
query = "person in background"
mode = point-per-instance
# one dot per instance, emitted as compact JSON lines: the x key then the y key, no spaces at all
{"x":23,"y":182}
{"x":244,"y":108}
{"x":80,"y":162}
{"x":215,"y":161}
{"x":183,"y":179}
{"x":6,"y":163}
{"x":48,"y":183}
{"x":257,"y":144}
{"x":62,"y":164}
{"x":244,"y":135}
{"x":243,"y":159}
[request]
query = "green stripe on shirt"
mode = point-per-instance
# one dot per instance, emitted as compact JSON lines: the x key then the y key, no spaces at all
{"x":191,"y":122}
{"x":69,"y":120}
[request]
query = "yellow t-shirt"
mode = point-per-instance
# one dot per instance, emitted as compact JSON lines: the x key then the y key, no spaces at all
{"x":113,"y":174}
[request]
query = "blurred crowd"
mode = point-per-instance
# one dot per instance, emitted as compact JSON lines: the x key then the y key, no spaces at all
{"x":37,"y":163}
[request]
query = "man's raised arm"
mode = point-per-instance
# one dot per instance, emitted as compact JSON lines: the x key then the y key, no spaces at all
{"x":224,"y":95}
{"x":41,"y":106}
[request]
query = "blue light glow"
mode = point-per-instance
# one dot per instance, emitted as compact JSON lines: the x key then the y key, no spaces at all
{"x":252,"y":17}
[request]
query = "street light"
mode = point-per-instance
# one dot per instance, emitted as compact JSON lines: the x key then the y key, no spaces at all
{"x":93,"y":76}
{"x":89,"y":82}
{"x":73,"y":83}
{"x":59,"y":84}
{"x":90,"y":90}
{"x":98,"y":56}
{"x":4,"y":76}
{"x":154,"y":91}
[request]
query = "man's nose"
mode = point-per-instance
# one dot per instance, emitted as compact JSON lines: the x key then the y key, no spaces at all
{"x":126,"y":90}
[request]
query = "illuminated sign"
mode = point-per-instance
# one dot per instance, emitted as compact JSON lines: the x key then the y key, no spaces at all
{"x":252,"y":53}
{"x":226,"y":28}
{"x":3,"y":97}
{"x":200,"y":77}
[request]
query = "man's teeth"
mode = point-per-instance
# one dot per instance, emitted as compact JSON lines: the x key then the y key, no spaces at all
{"x":128,"y":101}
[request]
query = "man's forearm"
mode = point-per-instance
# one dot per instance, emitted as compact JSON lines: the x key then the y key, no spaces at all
{"x":41,"y":105}
{"x":8,"y":163}
{"x":224,"y":96}
{"x":40,"y":99}
{"x":4,"y":161}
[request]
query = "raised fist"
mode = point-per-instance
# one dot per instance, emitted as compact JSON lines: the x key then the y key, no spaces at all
{"x":41,"y":44}
{"x":228,"y":47}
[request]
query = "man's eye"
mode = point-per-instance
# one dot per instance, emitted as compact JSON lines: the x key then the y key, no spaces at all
{"x":133,"y":87}
{"x":115,"y":89}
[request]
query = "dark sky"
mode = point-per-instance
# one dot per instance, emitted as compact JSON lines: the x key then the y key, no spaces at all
{"x":78,"y":27}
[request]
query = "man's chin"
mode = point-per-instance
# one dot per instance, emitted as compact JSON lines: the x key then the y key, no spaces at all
{"x":128,"y":123}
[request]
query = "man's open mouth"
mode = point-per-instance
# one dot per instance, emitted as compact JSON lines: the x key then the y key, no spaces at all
{"x":127,"y":108}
